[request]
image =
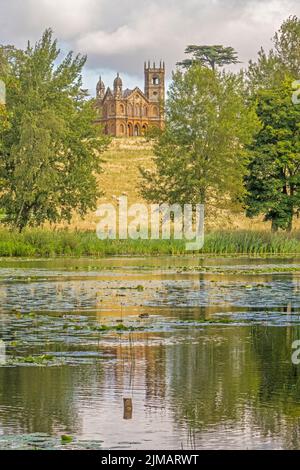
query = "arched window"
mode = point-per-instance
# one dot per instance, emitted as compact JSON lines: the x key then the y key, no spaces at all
{"x":155,"y":80}
{"x":136,"y":130}
{"x":145,"y":111}
{"x":137,"y":111}
{"x":130,"y":110}
{"x":155,"y":111}
{"x":122,"y":128}
{"x":121,"y":108}
{"x":130,"y":130}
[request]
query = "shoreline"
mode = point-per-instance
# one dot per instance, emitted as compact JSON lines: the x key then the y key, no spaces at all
{"x":44,"y":243}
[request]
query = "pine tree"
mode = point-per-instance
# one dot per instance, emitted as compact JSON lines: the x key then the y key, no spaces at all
{"x":210,"y":56}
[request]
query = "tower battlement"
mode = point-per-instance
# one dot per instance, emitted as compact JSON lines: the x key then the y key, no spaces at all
{"x":154,"y":81}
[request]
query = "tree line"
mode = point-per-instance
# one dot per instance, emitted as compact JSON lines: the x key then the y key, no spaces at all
{"x":231,"y":140}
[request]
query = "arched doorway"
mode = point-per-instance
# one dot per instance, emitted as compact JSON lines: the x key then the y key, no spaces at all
{"x":130,"y":130}
{"x":144,"y":129}
{"x":122,"y":128}
{"x":136,"y":130}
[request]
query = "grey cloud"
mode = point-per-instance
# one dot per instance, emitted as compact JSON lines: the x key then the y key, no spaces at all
{"x":120,"y":35}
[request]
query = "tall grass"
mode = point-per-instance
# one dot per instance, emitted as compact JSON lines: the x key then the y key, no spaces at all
{"x":251,"y":243}
{"x":47,"y":243}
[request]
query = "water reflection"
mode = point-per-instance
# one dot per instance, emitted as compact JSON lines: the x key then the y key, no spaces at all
{"x":233,"y":380}
{"x":212,"y":386}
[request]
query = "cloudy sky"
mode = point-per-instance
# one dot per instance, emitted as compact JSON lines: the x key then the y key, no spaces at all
{"x":118,"y":35}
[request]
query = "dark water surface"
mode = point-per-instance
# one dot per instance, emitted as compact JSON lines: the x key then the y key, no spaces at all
{"x":202,"y":348}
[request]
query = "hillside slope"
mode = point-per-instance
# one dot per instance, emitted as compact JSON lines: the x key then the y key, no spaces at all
{"x":121,"y":176}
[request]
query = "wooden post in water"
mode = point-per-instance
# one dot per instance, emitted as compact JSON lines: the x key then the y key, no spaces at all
{"x":127,"y":408}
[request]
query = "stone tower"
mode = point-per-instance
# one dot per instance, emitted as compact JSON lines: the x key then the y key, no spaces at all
{"x":155,"y":82}
{"x":118,"y":87}
{"x":100,"y":90}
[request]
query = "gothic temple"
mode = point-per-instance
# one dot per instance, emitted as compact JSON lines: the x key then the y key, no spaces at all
{"x":126,"y":113}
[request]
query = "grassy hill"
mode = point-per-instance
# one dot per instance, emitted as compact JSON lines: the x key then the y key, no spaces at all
{"x":121,"y":176}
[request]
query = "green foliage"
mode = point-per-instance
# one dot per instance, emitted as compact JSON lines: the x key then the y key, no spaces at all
{"x":50,"y":153}
{"x":287,"y":45}
{"x":251,"y":243}
{"x":273,"y":182}
{"x":201,"y":157}
{"x":8,"y":60}
{"x":66,"y":439}
{"x":44,"y":358}
{"x":282,"y":60}
{"x":46,"y":243}
{"x":4,"y":122}
{"x":210,"y":56}
{"x":4,"y":62}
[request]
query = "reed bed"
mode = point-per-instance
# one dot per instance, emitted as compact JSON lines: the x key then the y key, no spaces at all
{"x":47,"y":243}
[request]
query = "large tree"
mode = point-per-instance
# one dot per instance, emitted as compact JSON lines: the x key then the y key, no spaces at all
{"x":4,"y":69}
{"x":4,"y":122}
{"x":201,"y":156}
{"x":283,"y":59}
{"x":273,"y":183}
{"x":51,"y":152}
{"x":209,"y":56}
{"x":287,"y":45}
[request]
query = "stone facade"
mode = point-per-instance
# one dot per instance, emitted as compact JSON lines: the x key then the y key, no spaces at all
{"x":132,"y":112}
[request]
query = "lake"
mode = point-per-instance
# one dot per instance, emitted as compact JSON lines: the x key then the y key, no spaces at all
{"x":200,"y":348}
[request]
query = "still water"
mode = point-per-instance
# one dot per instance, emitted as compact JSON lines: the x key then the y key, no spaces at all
{"x":200,"y":348}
